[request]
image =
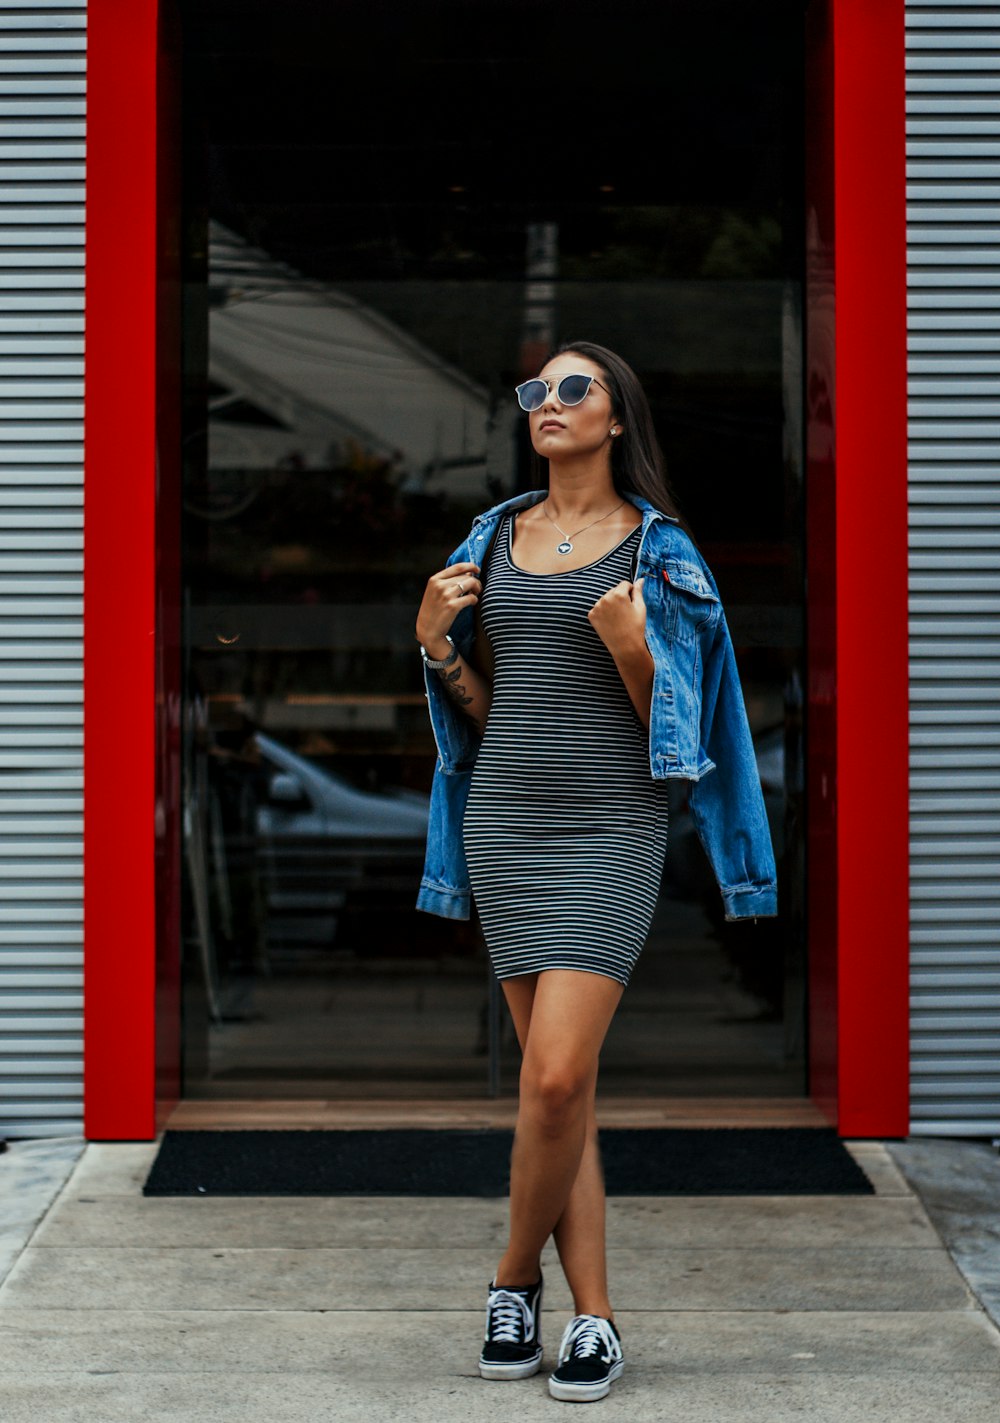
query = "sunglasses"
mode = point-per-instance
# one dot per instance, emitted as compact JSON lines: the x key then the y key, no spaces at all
{"x":570,"y":390}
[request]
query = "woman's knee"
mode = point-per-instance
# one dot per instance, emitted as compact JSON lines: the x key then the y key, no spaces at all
{"x":555,"y":1093}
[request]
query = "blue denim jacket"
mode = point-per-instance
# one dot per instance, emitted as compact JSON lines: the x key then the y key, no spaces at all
{"x":698,"y":723}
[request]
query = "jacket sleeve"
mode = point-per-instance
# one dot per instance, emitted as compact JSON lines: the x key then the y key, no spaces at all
{"x":456,"y":736}
{"x":727,"y":803}
{"x":444,"y":884}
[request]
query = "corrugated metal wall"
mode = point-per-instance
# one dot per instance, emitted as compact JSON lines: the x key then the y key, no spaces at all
{"x":953,"y":252}
{"x":42,"y":120}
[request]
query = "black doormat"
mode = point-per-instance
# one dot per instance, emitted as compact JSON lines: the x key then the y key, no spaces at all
{"x":726,"y":1161}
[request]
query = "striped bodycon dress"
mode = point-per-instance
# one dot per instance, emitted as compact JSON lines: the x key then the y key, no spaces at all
{"x":565,"y":830}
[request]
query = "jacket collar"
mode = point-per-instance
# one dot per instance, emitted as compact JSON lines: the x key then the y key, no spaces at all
{"x":535,"y":496}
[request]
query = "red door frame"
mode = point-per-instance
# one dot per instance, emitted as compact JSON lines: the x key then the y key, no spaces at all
{"x":856,"y":530}
{"x":131,"y":572}
{"x":857,"y":725}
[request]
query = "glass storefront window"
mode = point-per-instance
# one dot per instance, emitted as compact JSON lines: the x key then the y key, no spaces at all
{"x":390,"y":214}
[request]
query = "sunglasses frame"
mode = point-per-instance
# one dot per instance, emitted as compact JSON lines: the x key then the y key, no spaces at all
{"x":558,"y":380}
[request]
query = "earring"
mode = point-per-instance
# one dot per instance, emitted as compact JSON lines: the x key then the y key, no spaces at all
{"x":614,"y":429}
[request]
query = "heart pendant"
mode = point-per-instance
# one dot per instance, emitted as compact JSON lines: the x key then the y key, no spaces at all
{"x":565,"y":547}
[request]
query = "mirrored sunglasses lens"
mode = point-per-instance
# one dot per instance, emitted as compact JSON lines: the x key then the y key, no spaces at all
{"x":572,"y":389}
{"x":532,"y":394}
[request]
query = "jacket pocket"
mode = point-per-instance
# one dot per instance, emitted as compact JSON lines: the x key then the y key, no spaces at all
{"x":692,"y":604}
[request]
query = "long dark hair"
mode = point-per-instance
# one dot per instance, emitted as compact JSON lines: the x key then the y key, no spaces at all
{"x":637,"y":463}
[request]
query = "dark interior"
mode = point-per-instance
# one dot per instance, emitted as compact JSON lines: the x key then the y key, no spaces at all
{"x":390,"y":212}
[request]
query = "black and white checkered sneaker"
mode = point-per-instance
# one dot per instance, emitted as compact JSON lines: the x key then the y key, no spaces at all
{"x":590,"y":1357}
{"x":512,"y":1348}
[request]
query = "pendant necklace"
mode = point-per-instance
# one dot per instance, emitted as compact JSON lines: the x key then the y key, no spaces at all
{"x":566,"y":546}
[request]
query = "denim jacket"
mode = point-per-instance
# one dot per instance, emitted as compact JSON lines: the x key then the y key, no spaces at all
{"x":698,"y":723}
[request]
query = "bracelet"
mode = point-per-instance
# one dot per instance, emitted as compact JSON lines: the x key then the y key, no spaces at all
{"x":438,"y":662}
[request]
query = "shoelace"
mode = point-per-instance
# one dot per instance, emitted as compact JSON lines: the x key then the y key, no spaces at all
{"x":508,"y":1318}
{"x":585,"y":1335}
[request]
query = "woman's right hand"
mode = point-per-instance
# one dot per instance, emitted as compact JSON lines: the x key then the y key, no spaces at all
{"x":447,"y":592}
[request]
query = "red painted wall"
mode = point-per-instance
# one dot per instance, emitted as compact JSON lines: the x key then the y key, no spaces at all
{"x":872,"y":652}
{"x":858,"y":848}
{"x":120,"y":571}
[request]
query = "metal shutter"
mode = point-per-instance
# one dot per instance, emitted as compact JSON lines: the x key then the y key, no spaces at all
{"x":953,"y":261}
{"x":42,"y":117}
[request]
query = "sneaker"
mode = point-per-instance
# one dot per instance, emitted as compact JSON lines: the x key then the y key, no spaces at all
{"x":512,"y":1348}
{"x":590,"y":1356}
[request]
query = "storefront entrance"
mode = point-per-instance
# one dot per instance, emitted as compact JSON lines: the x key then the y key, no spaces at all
{"x":389,"y":214}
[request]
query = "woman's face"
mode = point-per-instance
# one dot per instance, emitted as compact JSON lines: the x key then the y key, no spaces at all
{"x":567,"y":431}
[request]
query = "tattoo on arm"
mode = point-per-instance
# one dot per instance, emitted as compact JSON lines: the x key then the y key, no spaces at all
{"x":454,"y":686}
{"x":457,"y":692}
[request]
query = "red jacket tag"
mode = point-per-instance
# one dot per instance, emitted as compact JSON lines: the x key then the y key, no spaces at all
{"x":666,"y":575}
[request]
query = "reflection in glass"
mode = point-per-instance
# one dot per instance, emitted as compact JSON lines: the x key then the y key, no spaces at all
{"x":367,"y":280}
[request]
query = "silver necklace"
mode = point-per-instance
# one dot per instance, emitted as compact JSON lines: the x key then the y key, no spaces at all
{"x":566,"y":546}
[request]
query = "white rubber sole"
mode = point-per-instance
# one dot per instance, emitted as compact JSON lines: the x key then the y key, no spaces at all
{"x":585,"y":1392}
{"x":523,"y":1370}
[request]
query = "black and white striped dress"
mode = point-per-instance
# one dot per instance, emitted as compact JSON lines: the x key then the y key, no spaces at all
{"x":565,"y":829}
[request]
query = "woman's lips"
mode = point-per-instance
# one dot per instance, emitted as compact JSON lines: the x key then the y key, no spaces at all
{"x":552,"y":425}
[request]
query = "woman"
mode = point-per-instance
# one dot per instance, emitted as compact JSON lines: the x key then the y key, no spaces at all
{"x":571,"y":692}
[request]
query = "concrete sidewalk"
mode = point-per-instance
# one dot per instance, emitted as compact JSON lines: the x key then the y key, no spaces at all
{"x":286,"y":1310}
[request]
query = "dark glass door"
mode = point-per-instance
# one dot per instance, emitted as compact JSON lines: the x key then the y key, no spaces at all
{"x":390,"y":213}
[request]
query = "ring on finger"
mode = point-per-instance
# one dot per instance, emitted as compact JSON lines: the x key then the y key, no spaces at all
{"x":461,"y":588}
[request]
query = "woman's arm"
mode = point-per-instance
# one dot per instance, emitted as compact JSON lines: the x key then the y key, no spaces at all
{"x":636,"y":668}
{"x":467,"y":687}
{"x":470,"y":689}
{"x":619,"y":618}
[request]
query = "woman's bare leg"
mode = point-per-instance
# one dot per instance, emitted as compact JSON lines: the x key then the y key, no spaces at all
{"x":561,"y":1018}
{"x":580,"y":1233}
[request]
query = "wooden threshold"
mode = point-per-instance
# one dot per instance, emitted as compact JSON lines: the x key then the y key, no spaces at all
{"x":486,"y":1112}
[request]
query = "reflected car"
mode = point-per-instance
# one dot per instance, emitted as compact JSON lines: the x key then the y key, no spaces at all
{"x":328,"y":852}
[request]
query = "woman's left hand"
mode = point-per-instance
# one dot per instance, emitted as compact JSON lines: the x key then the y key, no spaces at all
{"x":619,"y":618}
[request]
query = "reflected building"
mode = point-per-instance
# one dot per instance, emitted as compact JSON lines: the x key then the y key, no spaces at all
{"x":360,"y":303}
